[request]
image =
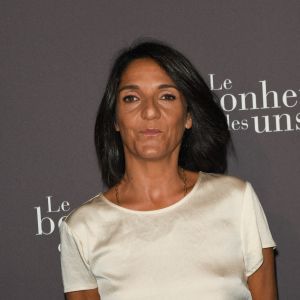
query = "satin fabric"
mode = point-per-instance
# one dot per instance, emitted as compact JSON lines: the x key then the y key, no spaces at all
{"x":202,"y":247}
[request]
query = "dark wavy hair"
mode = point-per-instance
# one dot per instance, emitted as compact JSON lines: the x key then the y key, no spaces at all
{"x":203,"y":147}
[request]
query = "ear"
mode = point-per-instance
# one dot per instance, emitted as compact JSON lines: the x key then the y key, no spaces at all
{"x":189,"y":121}
{"x":116,"y":126}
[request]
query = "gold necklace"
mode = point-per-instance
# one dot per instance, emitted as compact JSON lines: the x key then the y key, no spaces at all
{"x":184,"y":179}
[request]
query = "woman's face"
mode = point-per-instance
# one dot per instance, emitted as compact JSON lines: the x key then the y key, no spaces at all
{"x":151,"y":113}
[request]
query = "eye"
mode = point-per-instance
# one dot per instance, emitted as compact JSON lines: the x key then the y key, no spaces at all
{"x":168,"y":97}
{"x":130,"y":98}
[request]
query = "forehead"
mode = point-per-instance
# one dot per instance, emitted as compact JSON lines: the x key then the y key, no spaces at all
{"x":145,"y":69}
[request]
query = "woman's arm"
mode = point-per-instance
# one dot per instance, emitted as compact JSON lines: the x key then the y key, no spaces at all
{"x":262,"y":283}
{"x":83,"y":295}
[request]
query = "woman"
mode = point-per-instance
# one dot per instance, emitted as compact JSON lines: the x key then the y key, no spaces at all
{"x":171,"y":225}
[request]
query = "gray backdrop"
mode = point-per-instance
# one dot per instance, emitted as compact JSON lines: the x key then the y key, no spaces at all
{"x":55,"y":57}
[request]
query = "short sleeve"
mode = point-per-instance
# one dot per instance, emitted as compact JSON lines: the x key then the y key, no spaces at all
{"x":76,"y":274}
{"x":254,"y":230}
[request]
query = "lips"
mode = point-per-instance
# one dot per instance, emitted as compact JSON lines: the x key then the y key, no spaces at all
{"x":151,"y":131}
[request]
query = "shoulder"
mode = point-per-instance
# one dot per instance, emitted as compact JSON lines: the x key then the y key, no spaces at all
{"x":223,"y":182}
{"x":83,"y":214}
{"x":224,"y":193}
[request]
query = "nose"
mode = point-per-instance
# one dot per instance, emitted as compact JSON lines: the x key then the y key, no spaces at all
{"x":150,"y":110}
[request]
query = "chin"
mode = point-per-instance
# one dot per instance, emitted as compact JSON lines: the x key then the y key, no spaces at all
{"x":151,"y":153}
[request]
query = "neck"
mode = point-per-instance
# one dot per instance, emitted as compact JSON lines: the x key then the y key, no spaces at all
{"x":152,"y":180}
{"x":151,"y":171}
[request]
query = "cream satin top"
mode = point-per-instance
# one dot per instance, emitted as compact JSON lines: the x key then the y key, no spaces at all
{"x":202,"y":247}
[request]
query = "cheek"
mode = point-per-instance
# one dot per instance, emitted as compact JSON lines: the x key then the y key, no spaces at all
{"x":126,"y":127}
{"x":177,"y":119}
{"x":176,"y":127}
{"x":122,"y":119}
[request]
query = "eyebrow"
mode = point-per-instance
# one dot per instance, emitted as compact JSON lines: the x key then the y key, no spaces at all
{"x":136,"y":87}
